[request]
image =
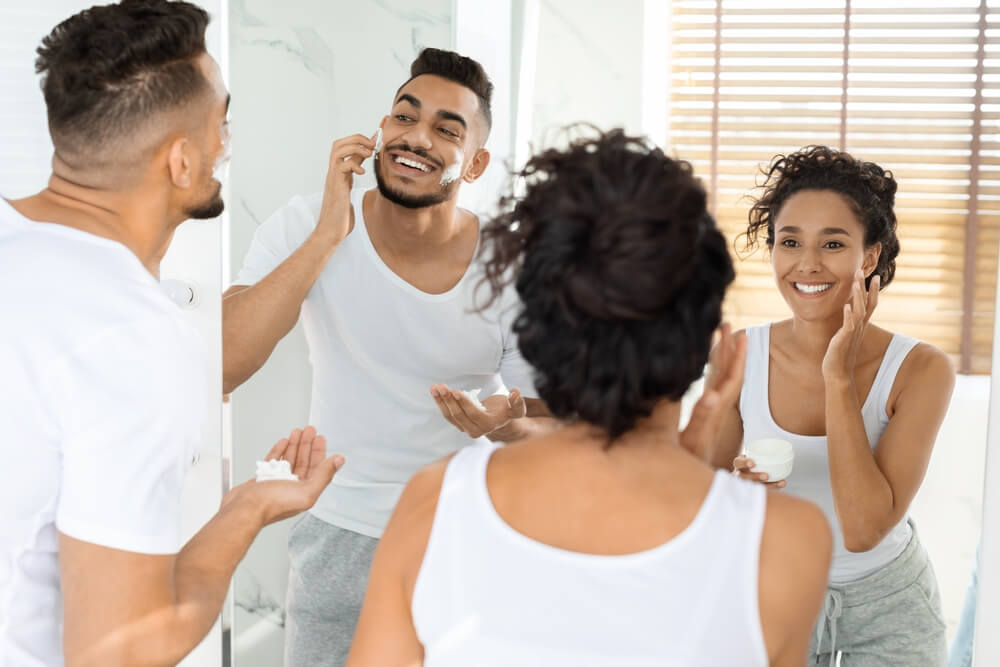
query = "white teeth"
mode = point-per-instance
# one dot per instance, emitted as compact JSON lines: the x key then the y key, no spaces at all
{"x":813,"y":289}
{"x":412,"y":163}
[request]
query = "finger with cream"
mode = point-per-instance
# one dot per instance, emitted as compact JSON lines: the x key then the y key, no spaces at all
{"x":773,"y":456}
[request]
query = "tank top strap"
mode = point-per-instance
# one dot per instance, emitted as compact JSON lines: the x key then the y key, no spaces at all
{"x":895,"y":354}
{"x":465,"y":474}
{"x":753,"y":394}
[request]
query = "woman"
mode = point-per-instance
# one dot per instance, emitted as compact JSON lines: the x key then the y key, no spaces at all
{"x":605,"y":542}
{"x":860,"y":405}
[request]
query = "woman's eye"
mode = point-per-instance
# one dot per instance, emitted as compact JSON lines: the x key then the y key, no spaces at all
{"x":789,"y":243}
{"x":834,"y":245}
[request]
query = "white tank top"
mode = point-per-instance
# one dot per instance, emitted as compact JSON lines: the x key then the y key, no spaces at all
{"x":810,"y":478}
{"x":487,"y":595}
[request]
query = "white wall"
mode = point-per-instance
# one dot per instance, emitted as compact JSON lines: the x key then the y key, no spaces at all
{"x":588,"y":67}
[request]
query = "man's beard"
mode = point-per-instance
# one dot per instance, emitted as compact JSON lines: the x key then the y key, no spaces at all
{"x":412,"y":201}
{"x":212,"y":208}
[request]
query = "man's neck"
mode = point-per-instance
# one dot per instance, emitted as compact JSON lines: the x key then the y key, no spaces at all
{"x":412,"y":231}
{"x":136,"y":219}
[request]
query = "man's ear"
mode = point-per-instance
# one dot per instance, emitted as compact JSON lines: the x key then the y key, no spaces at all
{"x":480,"y":161}
{"x":179,"y":163}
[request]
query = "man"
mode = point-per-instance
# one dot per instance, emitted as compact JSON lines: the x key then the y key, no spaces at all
{"x":386,"y":282}
{"x":102,"y":385}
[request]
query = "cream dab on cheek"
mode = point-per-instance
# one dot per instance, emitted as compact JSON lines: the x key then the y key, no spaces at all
{"x":452,"y":173}
{"x":221,"y":162}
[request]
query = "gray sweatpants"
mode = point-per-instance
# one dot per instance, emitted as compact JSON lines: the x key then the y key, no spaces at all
{"x":891,"y":618}
{"x":326,"y":586}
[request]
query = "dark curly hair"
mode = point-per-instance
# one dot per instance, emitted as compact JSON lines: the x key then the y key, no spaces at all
{"x":867,"y":188}
{"x":621,"y":273}
{"x":460,"y":69}
{"x":107,"y":69}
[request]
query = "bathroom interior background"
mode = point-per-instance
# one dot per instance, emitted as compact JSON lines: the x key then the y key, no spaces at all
{"x":305,"y":72}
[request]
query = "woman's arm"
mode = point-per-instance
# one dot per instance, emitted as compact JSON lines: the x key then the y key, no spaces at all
{"x":872,"y":490}
{"x":795,"y":549}
{"x":385,"y":636}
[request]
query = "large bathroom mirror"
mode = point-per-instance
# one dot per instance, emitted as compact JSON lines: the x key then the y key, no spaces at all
{"x":899,"y":83}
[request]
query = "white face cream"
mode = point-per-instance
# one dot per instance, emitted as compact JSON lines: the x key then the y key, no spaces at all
{"x":773,"y":456}
{"x":275,"y":470}
{"x":474,"y":397}
{"x":222,"y":162}
{"x":452,"y":173}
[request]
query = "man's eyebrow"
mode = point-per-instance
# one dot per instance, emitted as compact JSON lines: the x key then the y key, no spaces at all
{"x":451,"y":115}
{"x":406,"y":97}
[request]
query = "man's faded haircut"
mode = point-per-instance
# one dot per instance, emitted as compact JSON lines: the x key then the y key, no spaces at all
{"x":460,"y":69}
{"x":108,"y":69}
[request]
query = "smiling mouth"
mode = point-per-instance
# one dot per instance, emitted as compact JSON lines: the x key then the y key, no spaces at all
{"x":413,"y":164}
{"x":813,"y":288}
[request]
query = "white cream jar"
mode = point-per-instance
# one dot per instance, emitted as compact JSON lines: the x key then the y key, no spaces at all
{"x":772,"y":456}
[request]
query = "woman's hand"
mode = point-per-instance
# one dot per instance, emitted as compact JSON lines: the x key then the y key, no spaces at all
{"x":743,"y":468}
{"x":842,"y":352}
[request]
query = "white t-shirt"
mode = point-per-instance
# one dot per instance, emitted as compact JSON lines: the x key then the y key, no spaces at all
{"x":102,"y":398}
{"x":377,"y":344}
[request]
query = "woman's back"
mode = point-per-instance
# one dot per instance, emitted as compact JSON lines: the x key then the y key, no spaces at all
{"x":665,"y":573}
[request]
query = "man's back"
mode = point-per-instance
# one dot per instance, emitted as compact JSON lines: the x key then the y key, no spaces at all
{"x":101,"y":400}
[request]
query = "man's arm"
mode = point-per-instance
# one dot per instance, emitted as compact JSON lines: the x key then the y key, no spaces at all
{"x":255,"y":318}
{"x":127,"y":608}
{"x":536,"y":422}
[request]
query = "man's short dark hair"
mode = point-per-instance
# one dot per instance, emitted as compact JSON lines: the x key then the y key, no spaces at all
{"x":106,"y":70}
{"x":460,"y":69}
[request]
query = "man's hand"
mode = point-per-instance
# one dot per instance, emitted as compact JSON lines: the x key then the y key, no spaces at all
{"x":497,"y":411}
{"x":346,"y":155}
{"x":722,"y":389}
{"x":281,"y":499}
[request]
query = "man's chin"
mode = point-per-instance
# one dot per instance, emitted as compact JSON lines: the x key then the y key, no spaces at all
{"x":212,"y":209}
{"x":414,"y":201}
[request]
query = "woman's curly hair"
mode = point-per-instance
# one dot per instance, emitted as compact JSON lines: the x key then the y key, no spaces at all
{"x":868,"y":189}
{"x":621,"y":273}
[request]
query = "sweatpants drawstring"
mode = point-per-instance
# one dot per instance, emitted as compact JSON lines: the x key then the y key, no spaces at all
{"x":833,"y":605}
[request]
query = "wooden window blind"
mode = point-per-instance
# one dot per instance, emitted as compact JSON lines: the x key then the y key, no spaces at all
{"x":911,"y":85}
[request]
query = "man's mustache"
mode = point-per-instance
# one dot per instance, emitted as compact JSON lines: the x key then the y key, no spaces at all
{"x":419,"y":152}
